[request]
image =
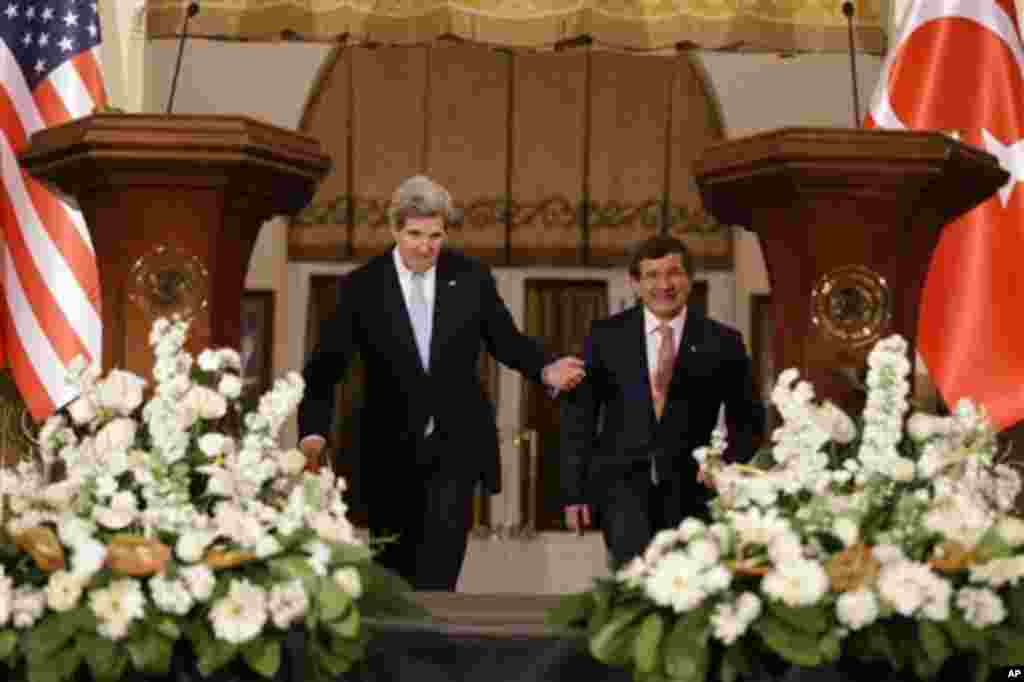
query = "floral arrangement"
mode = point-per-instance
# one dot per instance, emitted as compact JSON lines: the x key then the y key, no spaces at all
{"x":891,"y":539}
{"x":145,"y":524}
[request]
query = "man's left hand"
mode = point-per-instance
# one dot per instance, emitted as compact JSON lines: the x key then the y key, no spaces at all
{"x":564,"y":374}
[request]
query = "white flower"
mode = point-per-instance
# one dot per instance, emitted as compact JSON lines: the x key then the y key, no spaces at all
{"x":209,"y":361}
{"x":999,"y":572}
{"x":796,"y":583}
{"x":83,"y":410}
{"x":320,"y":556}
{"x":87,"y":557}
{"x":117,"y":435}
{"x":903,"y":469}
{"x":347,"y":578}
{"x":6,"y":597}
{"x":120,"y":514}
{"x":1011,"y":529}
{"x":677,"y":581}
{"x":846,"y":530}
{"x":912,"y":588}
{"x":230,"y":359}
{"x":857,"y":609}
{"x":230,"y":386}
{"x":27,"y":606}
{"x":63,"y":590}
{"x":204,"y":403}
{"x":192,"y":546}
{"x":982,"y":607}
{"x":287,"y":603}
{"x":120,"y":392}
{"x":241,"y":614}
{"x":170,"y":596}
{"x":886,"y":553}
{"x":116,"y":606}
{"x":834,"y":421}
{"x":213,"y":444}
{"x":292,"y":462}
{"x":200,"y":581}
{"x":726,"y":624}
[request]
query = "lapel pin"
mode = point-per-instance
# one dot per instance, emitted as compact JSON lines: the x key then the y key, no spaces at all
{"x":451,"y":282}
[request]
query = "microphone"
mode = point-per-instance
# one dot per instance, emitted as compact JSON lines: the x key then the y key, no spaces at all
{"x":848,"y":9}
{"x":193,"y":9}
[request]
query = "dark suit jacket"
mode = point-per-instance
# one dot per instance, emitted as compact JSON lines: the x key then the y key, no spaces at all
{"x":711,"y":369}
{"x":400,"y":396}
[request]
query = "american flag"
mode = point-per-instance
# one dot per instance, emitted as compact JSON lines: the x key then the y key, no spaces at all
{"x":50,"y":314}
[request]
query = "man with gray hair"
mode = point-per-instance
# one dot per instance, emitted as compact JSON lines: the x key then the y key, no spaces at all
{"x":418,"y":316}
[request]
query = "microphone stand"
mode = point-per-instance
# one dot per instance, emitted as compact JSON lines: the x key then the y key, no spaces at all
{"x":193,"y":9}
{"x":848,"y":9}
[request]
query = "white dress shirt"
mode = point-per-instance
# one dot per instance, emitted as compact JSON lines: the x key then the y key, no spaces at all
{"x":654,"y":337}
{"x":405,"y":282}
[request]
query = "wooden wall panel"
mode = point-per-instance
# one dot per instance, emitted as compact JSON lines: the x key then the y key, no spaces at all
{"x":557,"y":158}
{"x":629,"y":116}
{"x":548,"y":149}
{"x":325,"y":234}
{"x":467,"y":141}
{"x":389,"y":88}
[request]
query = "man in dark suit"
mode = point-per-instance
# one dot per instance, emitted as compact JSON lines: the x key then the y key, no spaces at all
{"x":418,"y":316}
{"x":657,"y":375}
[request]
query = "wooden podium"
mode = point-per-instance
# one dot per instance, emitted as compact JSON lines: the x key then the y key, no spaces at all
{"x":174,"y":205}
{"x":847,"y":220}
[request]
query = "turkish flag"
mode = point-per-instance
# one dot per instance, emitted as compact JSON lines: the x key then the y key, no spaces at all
{"x":958,"y":65}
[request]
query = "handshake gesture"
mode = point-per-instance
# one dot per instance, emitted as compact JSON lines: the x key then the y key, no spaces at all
{"x":564,"y":374}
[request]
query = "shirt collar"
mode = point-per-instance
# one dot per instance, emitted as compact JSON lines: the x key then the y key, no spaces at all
{"x":651,"y":323}
{"x":405,"y":274}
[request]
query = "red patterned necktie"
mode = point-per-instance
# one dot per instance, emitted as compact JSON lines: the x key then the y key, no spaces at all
{"x":663,"y":372}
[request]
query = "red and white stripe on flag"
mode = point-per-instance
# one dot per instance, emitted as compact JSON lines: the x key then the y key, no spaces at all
{"x":50,"y":314}
{"x":958,"y":65}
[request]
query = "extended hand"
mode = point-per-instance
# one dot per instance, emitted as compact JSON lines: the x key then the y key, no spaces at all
{"x":577,"y":517}
{"x":564,"y":374}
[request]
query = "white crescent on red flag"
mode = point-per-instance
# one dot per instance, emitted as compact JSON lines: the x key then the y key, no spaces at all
{"x":958,"y":65}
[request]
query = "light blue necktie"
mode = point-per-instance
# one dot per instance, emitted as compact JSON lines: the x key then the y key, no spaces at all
{"x":419,"y":313}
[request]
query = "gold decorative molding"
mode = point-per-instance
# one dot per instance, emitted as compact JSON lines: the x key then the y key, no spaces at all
{"x":323,"y":230}
{"x":631,"y":24}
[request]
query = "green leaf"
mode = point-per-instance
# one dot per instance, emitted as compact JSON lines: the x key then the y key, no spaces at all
{"x":982,"y":670}
{"x":168,"y":628}
{"x":68,"y":661}
{"x":292,"y":567}
{"x":387,"y":595}
{"x":347,"y":627}
{"x":1015,"y":604}
{"x":342,"y":553}
{"x":735,"y":663}
{"x":44,"y":670}
{"x":263,"y":656}
{"x":810,"y":619}
{"x":150,"y":652}
{"x":613,"y":642}
{"x":965,"y":636}
{"x":797,"y":647}
{"x":572,"y":610}
{"x":8,"y":642}
{"x":333,"y":600}
{"x":106,"y":661}
{"x":645,"y":647}
{"x":685,"y":647}
{"x":831,"y":647}
{"x":217,"y":654}
{"x":1007,"y":647}
{"x":934,"y":642}
{"x":51,"y":634}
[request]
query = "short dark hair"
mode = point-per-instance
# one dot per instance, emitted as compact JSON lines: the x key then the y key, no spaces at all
{"x":657,"y":247}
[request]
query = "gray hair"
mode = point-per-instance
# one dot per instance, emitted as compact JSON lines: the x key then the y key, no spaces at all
{"x":421,"y":197}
